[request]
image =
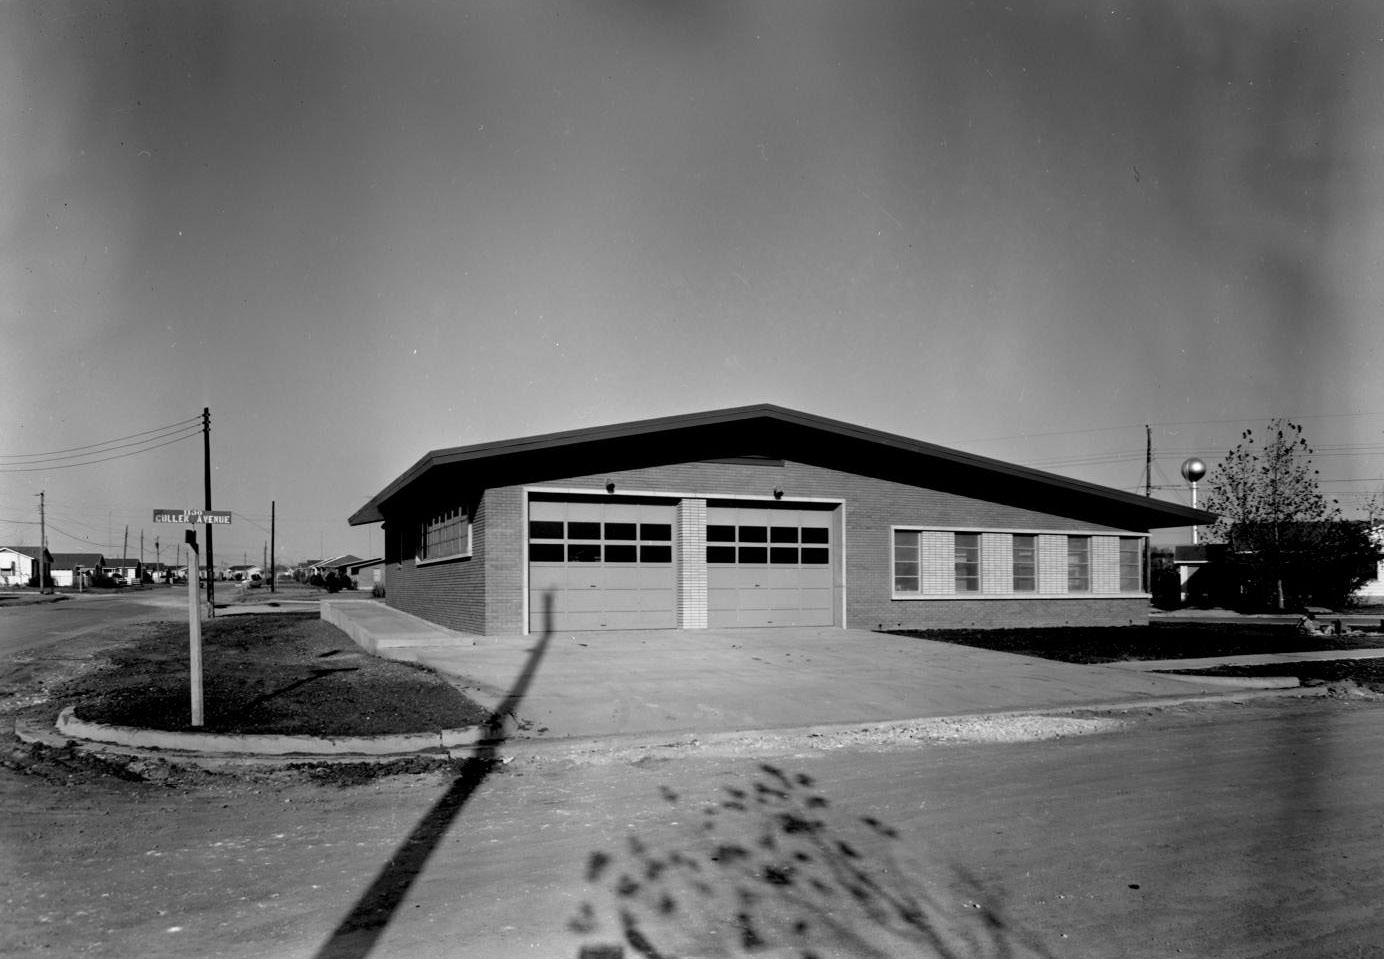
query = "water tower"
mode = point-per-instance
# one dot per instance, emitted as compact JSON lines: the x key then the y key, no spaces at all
{"x":1193,"y":469}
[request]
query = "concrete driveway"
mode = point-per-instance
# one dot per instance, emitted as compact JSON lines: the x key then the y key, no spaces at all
{"x":688,"y":682}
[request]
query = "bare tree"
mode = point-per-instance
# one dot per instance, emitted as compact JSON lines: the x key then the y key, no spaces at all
{"x":1273,"y":515}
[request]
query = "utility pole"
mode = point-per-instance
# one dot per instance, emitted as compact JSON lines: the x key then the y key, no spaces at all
{"x":158,"y":561}
{"x":1148,"y":492}
{"x":272,"y":576}
{"x":1148,"y":460}
{"x":42,"y":543}
{"x":125,"y":547}
{"x":206,"y":482}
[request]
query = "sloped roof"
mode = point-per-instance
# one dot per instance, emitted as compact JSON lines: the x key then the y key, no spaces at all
{"x":771,"y":430}
{"x":73,"y":560}
{"x":345,"y":559}
{"x":29,"y":551}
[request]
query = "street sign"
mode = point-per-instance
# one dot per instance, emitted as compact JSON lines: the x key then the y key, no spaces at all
{"x":192,"y":516}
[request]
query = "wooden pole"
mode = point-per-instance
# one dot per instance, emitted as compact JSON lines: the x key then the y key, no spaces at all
{"x":206,"y":482}
{"x":194,"y":631}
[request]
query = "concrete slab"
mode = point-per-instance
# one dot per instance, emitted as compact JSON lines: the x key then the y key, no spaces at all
{"x":376,"y":627}
{"x":709,"y":681}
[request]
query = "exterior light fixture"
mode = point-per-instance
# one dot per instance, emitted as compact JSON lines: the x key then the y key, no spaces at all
{"x":778,"y":492}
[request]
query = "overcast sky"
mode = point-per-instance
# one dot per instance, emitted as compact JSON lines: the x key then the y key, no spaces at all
{"x":360,"y":231}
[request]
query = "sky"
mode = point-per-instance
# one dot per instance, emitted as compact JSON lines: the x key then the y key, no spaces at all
{"x":359,"y":231}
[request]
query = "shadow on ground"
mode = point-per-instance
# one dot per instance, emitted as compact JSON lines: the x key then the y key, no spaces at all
{"x":772,"y":868}
{"x":356,"y":935}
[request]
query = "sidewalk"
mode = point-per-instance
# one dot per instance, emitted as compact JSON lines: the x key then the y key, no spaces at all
{"x":700,"y":682}
{"x":1263,"y":659}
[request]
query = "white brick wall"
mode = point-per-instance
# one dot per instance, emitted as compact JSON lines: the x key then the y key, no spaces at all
{"x":1052,"y":563}
{"x":1105,"y":564}
{"x":996,"y":563}
{"x":938,"y":555}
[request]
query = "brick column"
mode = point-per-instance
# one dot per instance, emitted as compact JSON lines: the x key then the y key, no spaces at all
{"x":691,"y":560}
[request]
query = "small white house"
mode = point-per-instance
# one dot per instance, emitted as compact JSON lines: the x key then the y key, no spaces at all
{"x":1372,"y":593}
{"x":18,"y":564}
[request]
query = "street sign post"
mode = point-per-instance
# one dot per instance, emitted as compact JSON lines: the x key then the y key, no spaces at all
{"x":190,"y":517}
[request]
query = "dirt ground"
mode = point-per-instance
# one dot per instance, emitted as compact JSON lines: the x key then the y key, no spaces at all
{"x":1242,"y":831}
{"x":285,"y":673}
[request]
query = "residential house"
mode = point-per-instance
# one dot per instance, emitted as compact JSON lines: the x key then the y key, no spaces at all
{"x":76,"y":569}
{"x":19,"y":564}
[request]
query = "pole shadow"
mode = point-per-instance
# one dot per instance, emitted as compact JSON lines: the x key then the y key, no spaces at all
{"x":356,"y":935}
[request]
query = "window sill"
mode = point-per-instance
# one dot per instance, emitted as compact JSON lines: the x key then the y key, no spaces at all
{"x":452,"y":558}
{"x":953,"y":597}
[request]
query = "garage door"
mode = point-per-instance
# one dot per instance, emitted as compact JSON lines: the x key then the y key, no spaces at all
{"x":769,"y":567}
{"x":603,"y":565}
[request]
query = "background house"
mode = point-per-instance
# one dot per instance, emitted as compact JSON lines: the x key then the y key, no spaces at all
{"x":756,"y":516}
{"x":19,"y":564}
{"x":125,"y":566}
{"x":1318,"y":564}
{"x":1371,"y":592}
{"x":367,"y":574}
{"x":76,"y":569}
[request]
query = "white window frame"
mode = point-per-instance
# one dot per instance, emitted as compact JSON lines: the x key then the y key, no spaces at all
{"x":1138,"y":563}
{"x":962,"y":583}
{"x":1008,"y":593}
{"x":1014,"y":566}
{"x":1084,"y":566}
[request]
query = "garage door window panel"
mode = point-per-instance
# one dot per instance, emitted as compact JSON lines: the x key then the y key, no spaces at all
{"x":621,"y":553}
{"x":720,"y":554}
{"x":655,"y":554}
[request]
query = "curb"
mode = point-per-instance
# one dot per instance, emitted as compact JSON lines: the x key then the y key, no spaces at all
{"x":217,"y":744}
{"x":210,"y":749}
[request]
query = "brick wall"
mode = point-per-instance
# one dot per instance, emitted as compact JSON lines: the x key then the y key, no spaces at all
{"x":485,"y":594}
{"x":451,"y":593}
{"x":1003,"y":613}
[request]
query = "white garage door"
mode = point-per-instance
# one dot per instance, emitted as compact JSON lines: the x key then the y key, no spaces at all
{"x":769,"y":567}
{"x":601,"y":566}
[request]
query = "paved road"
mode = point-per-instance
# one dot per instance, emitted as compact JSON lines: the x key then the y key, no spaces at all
{"x":1232,"y":831}
{"x":30,"y":627}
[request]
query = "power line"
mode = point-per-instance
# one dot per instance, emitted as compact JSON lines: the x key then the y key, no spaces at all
{"x":1135,"y":426}
{"x":159,"y":434}
{"x":93,"y":446}
{"x":105,"y":459}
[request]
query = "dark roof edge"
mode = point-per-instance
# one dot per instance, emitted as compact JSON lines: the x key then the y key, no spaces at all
{"x":370,"y":512}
